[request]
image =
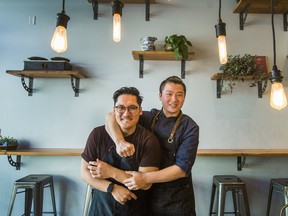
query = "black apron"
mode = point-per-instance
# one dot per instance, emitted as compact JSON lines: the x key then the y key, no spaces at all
{"x":103,"y":203}
{"x":174,"y":198}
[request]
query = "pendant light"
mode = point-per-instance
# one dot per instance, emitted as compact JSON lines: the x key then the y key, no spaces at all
{"x":221,"y":35}
{"x":59,"y":40}
{"x":278,"y":98}
{"x":117,"y":13}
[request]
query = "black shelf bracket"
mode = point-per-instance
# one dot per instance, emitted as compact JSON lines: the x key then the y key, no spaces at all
{"x":243,"y":16}
{"x":141,"y":67}
{"x":219,"y":84}
{"x":16,"y":164}
{"x":75,"y":83}
{"x":147,"y":16}
{"x":95,"y":9}
{"x":28,"y":88}
{"x":241,"y":162}
{"x":183,"y":65}
{"x":285,"y":22}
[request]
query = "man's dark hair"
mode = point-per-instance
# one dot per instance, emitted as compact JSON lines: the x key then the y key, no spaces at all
{"x":130,"y":91}
{"x":172,"y":79}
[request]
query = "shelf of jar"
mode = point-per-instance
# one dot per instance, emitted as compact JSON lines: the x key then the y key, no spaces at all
{"x":47,"y":73}
{"x":159,"y":56}
{"x":126,"y":1}
{"x":75,"y":77}
{"x":261,"y":6}
{"x":219,"y":77}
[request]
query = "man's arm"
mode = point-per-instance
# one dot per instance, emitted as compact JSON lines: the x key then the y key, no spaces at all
{"x":123,"y":148}
{"x":100,"y":169}
{"x":120,"y":194}
{"x":165,"y":175}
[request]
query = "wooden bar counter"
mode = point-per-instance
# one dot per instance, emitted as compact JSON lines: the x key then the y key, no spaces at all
{"x":241,"y":154}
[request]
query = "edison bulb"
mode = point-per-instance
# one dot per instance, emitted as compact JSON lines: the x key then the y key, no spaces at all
{"x":222,"y":49}
{"x":278,"y":98}
{"x":59,"y":40}
{"x":116,"y":27}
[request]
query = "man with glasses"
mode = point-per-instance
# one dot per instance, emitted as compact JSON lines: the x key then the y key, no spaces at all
{"x":172,"y":190}
{"x":110,"y":196}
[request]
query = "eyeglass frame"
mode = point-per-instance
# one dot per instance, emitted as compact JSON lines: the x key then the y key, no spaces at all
{"x":133,"y":107}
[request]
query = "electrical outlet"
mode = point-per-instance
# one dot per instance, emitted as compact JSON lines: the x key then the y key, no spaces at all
{"x":32,"y":20}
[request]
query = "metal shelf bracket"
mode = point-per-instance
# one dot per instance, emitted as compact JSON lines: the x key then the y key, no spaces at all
{"x":16,"y":164}
{"x":241,"y":162}
{"x":95,"y":9}
{"x":285,"y":22}
{"x":243,"y":16}
{"x":75,"y":85}
{"x":28,"y":88}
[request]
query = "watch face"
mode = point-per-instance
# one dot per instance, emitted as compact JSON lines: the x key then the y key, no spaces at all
{"x":110,"y":188}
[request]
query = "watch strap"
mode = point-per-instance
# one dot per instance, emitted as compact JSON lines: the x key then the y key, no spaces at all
{"x":110,"y":187}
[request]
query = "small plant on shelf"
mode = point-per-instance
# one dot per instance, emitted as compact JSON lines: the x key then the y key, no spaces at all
{"x":179,"y":44}
{"x":8,"y":143}
{"x":238,"y":68}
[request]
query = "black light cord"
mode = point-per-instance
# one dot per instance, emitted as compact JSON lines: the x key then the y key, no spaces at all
{"x":63,"y":6}
{"x":273,"y":32}
{"x":219,"y":13}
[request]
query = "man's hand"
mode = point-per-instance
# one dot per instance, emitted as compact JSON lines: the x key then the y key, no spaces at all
{"x":100,"y":169}
{"x":122,"y":194}
{"x":125,"y":149}
{"x":136,"y":182}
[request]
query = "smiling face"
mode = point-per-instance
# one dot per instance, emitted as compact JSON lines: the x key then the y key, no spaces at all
{"x":127,"y":112}
{"x":172,"y":98}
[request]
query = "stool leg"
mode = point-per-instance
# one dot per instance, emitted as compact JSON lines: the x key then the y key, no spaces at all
{"x":87,"y":200}
{"x":269,"y":199}
{"x":28,"y":201}
{"x":53,"y":198}
{"x":221,"y":200}
{"x":235,"y":201}
{"x":12,"y":200}
{"x":246,"y":202}
{"x":211,"y":199}
{"x":286,"y":199}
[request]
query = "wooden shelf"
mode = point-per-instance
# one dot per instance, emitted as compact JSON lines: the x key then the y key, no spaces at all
{"x":125,"y":1}
{"x":219,"y":78}
{"x":158,"y":56}
{"x":261,"y":7}
{"x":31,"y":74}
{"x":147,"y":6}
{"x":47,"y":73}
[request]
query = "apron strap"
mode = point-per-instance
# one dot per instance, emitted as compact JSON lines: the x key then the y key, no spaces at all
{"x":171,"y":137}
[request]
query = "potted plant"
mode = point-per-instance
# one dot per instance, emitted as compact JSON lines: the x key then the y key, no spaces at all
{"x":8,"y":143}
{"x":238,"y":68}
{"x":179,"y":44}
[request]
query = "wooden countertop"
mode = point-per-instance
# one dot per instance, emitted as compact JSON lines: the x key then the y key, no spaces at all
{"x":201,"y":152}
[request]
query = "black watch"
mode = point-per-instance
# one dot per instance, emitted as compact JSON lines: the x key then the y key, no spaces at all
{"x":110,"y":188}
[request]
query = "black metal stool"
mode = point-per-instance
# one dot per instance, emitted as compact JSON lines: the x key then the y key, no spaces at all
{"x":224,"y":183}
{"x":33,"y":186}
{"x":281,"y":185}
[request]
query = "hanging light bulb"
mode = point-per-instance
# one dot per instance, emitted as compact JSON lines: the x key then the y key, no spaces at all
{"x":59,"y":40}
{"x":278,"y":98}
{"x":221,"y":35}
{"x":117,"y":13}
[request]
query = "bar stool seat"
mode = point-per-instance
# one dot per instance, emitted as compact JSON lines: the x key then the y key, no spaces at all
{"x":280,"y":185}
{"x":33,"y":187}
{"x":223,"y":184}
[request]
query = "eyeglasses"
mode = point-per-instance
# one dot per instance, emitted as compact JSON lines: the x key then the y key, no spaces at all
{"x":131,"y":109}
